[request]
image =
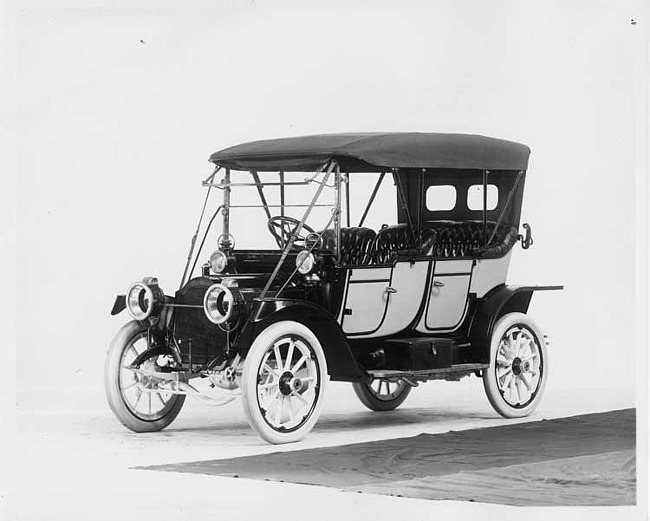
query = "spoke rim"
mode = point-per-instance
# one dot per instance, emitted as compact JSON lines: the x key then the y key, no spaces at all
{"x":288,"y":383}
{"x":132,"y":392}
{"x":386,"y":390}
{"x":519,"y":366}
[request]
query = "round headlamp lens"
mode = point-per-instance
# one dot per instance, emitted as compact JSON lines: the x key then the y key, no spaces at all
{"x":139,"y":301}
{"x":218,"y":261}
{"x":218,"y":304}
{"x":304,"y":262}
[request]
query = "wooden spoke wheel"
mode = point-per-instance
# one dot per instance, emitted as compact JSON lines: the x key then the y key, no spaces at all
{"x":135,"y":399}
{"x":381,"y":394}
{"x":515,"y":380}
{"x":283,"y":382}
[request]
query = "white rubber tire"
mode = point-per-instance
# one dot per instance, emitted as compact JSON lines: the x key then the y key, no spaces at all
{"x":490,"y":384}
{"x":114,"y":393}
{"x":249,"y":381}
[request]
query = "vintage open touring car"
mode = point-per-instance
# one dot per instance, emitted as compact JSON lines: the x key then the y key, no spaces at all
{"x":418,"y":299}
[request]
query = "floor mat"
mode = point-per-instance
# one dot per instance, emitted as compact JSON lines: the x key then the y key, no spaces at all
{"x":564,"y":461}
{"x":599,"y":480}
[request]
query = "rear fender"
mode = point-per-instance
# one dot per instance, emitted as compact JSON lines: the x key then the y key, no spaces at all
{"x":498,"y":302}
{"x":341,"y":364}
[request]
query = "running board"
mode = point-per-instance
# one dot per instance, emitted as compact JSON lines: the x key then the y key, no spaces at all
{"x":453,"y":372}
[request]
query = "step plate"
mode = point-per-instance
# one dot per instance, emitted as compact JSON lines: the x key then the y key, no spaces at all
{"x":428,"y":373}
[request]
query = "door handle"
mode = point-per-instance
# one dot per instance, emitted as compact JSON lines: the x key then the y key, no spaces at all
{"x":438,"y":284}
{"x":390,"y":289}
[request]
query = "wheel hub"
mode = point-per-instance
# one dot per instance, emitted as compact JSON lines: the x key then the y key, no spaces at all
{"x":144,"y":378}
{"x":288,"y":383}
{"x":520,"y":366}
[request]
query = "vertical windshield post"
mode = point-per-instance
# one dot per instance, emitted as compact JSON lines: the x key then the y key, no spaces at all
{"x":485,"y":176}
{"x":337,"y":209}
{"x":226,"y":203}
{"x":281,"y":193}
{"x":346,"y":179}
{"x":207,"y":182}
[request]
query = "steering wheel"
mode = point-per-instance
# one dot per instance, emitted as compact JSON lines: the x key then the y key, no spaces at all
{"x":283,"y":227}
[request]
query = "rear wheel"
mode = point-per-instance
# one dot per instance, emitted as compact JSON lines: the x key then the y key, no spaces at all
{"x":382,"y":395}
{"x":515,"y":380}
{"x":283,"y":382}
{"x":134,"y":399}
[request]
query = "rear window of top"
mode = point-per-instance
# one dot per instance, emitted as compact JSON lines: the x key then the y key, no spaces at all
{"x":475,"y":197}
{"x":441,"y":197}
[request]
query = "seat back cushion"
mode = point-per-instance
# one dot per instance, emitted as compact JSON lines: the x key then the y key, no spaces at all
{"x":392,"y":240}
{"x":355,"y":244}
{"x":461,"y":239}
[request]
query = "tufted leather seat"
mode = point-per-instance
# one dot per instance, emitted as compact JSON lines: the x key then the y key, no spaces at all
{"x":459,"y":239}
{"x":355,"y":244}
{"x":392,"y":240}
{"x":449,"y":239}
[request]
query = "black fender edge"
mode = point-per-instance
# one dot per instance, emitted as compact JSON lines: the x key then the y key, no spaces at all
{"x":498,"y":302}
{"x":341,"y":364}
{"x":119,"y":305}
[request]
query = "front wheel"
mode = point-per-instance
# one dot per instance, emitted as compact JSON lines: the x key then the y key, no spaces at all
{"x":515,"y":380}
{"x":283,"y":382}
{"x":382,"y":395}
{"x":136,"y":401}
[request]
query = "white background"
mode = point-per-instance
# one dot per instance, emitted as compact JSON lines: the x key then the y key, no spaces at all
{"x":119,"y":106}
{"x":115,"y":107}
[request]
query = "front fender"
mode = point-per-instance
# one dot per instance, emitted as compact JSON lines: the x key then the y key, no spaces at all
{"x":119,"y":305}
{"x":341,"y":364}
{"x":160,"y":325}
{"x":499,"y":302}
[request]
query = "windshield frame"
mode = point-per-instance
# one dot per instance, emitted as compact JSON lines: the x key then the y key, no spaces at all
{"x":328,"y":170}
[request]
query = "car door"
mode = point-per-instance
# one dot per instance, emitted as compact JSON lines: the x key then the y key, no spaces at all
{"x":404,"y":296}
{"x":383,"y":301}
{"x":447,"y":295}
{"x":365,"y":300}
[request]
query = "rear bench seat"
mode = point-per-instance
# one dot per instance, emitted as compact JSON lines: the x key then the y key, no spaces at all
{"x":459,"y":239}
{"x":445,"y":239}
{"x":392,"y":240}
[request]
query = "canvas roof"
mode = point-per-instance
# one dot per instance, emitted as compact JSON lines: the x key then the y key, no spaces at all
{"x":376,"y":151}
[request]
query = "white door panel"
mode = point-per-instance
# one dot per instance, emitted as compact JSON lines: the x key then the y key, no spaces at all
{"x":365,"y":302}
{"x":447,"y":295}
{"x":447,"y":302}
{"x":409,"y":280}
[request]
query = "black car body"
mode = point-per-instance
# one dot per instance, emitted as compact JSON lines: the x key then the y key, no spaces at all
{"x":419,"y":299}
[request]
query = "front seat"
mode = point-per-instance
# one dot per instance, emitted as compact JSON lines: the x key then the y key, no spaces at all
{"x":356,"y":243}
